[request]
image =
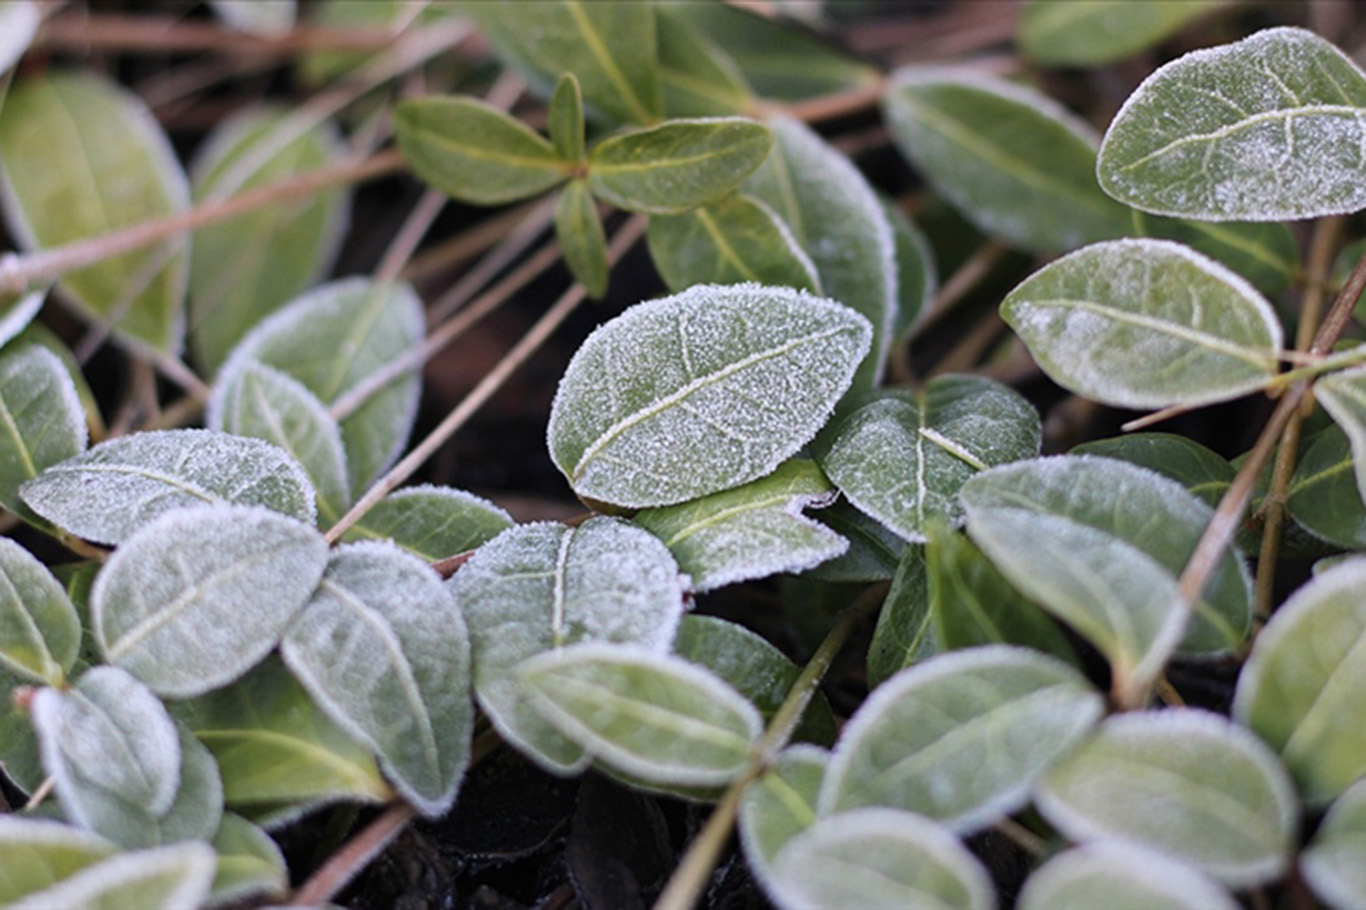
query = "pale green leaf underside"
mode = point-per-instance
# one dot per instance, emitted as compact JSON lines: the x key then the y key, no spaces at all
{"x":1185,"y":783}
{"x":1146,"y":324}
{"x":780,"y":805}
{"x":40,"y":632}
{"x":37,"y":853}
{"x":1334,"y":865}
{"x":249,"y":862}
{"x":1120,"y":876}
{"x":164,"y":878}
{"x":1092,"y":32}
{"x":1265,"y":129}
{"x":42,"y":422}
{"x":696,"y":393}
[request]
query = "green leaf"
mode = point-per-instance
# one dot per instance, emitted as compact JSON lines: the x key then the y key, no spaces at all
{"x":962,"y":737}
{"x":110,"y":492}
{"x":475,"y":152}
{"x":1092,"y":32}
{"x":17,"y":311}
{"x":1014,"y":161}
{"x":540,"y":587}
{"x":1120,"y":876}
{"x":697,"y":78}
{"x":751,"y":531}
{"x":199,"y":596}
{"x":42,"y":422}
{"x":83,"y":157}
{"x":905,"y":633}
{"x":693,"y":394}
{"x":19,"y":22}
{"x":432,"y":522}
{"x":1096,"y":321}
{"x":837,"y":219}
{"x":879,"y":858}
{"x":873,"y":551}
{"x":565,"y":119}
{"x":35,"y":854}
{"x":174,"y":877}
{"x":391,"y":17}
{"x":1343,"y":395}
{"x":1323,"y":496}
{"x":609,"y":47}
{"x":1334,"y":865}
{"x":1099,"y":543}
{"x":780,"y":805}
{"x":900,"y":456}
{"x":917,"y":277}
{"x":582,"y":240}
{"x":754,"y":668}
{"x":263,"y":18}
{"x":1265,"y":253}
{"x":1264,"y":129}
{"x":1185,"y":783}
{"x":653,"y":716}
{"x":275,"y":748}
{"x":39,"y":630}
{"x":244,"y":269}
{"x":1306,"y":673}
{"x":678,"y":165}
{"x":382,"y":648}
{"x":733,"y":240}
{"x":262,"y":403}
{"x":249,"y":863}
{"x":19,"y":759}
{"x":1201,"y":471}
{"x":35,"y":333}
{"x":332,"y":339}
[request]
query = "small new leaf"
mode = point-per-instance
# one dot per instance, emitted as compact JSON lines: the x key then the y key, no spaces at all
{"x":249,"y":863}
{"x":582,"y":240}
{"x":40,"y":632}
{"x":566,"y":119}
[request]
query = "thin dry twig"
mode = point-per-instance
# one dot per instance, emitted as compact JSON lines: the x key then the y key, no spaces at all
{"x":343,"y":865}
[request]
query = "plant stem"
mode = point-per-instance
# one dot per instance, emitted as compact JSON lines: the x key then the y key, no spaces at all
{"x":334,"y":874}
{"x":75,"y":31}
{"x":471,"y":242}
{"x":690,"y":878}
{"x":405,"y":242}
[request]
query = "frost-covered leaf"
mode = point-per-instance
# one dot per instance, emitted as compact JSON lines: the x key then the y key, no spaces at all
{"x":699,"y":392}
{"x":18,"y":310}
{"x":917,"y":276}
{"x":262,"y":403}
{"x":82,"y":157}
{"x":19,"y":22}
{"x":1120,"y":876}
{"x":751,"y":531}
{"x":383,"y":649}
{"x":432,"y":522}
{"x":1265,"y":129}
{"x":277,"y":751}
{"x":879,"y":858}
{"x":837,"y":219}
{"x":1184,"y":782}
{"x":1323,"y":496}
{"x":609,"y":47}
{"x":110,"y":492}
{"x":1306,"y":674}
{"x":962,"y":737}
{"x":1013,"y":160}
{"x":175,"y":877}
{"x":905,"y":633}
{"x":754,"y":668}
{"x":582,"y":240}
{"x":249,"y":863}
{"x":475,"y":152}
{"x":901,"y":455}
{"x":36,"y":854}
{"x":332,"y":339}
{"x":1201,"y":471}
{"x":1096,"y":321}
{"x":1092,"y":32}
{"x":40,"y":632}
{"x":264,"y":17}
{"x":780,"y":805}
{"x":41,"y":420}
{"x":198,"y":597}
{"x":678,"y":165}
{"x":873,"y":552}
{"x":1099,"y":543}
{"x":733,"y":240}
{"x":1343,"y":395}
{"x":539,"y":587}
{"x":1334,"y":865}
{"x":657,"y":717}
{"x":35,"y":333}
{"x":697,"y":78}
{"x":1265,"y":253}
{"x":246,"y":268}
{"x":565,"y":119}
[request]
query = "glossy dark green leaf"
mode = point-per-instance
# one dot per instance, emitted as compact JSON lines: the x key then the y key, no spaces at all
{"x":1343,"y":395}
{"x":1323,"y":496}
{"x":1013,"y":160}
{"x":39,"y":630}
{"x":1120,"y":876}
{"x":1265,"y":253}
{"x":565,"y":119}
{"x":697,"y":78}
{"x":1092,"y":32}
{"x":432,"y":522}
{"x":42,"y":422}
{"x":249,"y":863}
{"x":1200,"y":470}
{"x":917,"y":277}
{"x":1334,"y":865}
{"x":36,"y":854}
{"x":1265,"y":129}
{"x":905,"y":633}
{"x":678,"y":165}
{"x":582,"y":240}
{"x":475,"y":152}
{"x":873,"y":552}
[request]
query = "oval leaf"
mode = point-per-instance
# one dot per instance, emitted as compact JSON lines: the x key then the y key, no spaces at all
{"x":1097,"y":320}
{"x":120,"y":486}
{"x":1334,"y":865}
{"x":198,"y":597}
{"x":249,"y":863}
{"x":657,"y":717}
{"x":917,"y":275}
{"x":432,"y":522}
{"x":697,"y":78}
{"x":962,"y":737}
{"x":1308,"y":672}
{"x":879,"y":858}
{"x":166,"y":878}
{"x":669,"y":401}
{"x":1265,"y":253}
{"x":539,"y":587}
{"x":565,"y":119}
{"x":38,"y":853}
{"x":780,"y":805}
{"x":82,"y":157}
{"x":42,"y":421}
{"x":383,"y":649}
{"x":40,"y":632}
{"x":1200,"y":470}
{"x":1185,"y":783}
{"x":1343,"y":395}
{"x":1323,"y":496}
{"x":1265,"y":129}
{"x":752,"y":531}
{"x":677,"y":165}
{"x":905,"y":633}
{"x":582,"y":241}
{"x":902,"y":456}
{"x":1120,"y":876}
{"x":1092,"y":32}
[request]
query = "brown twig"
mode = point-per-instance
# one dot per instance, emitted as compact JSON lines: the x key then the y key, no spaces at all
{"x":78,"y":32}
{"x":343,"y":866}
